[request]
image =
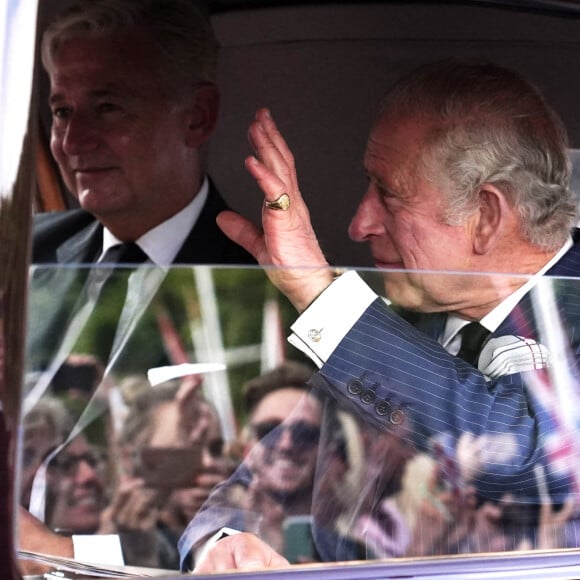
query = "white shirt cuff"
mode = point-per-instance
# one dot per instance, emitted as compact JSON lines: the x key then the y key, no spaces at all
{"x":102,"y":549}
{"x":321,"y":327}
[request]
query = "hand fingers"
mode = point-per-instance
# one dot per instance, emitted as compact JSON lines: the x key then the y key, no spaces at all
{"x":293,"y":225}
{"x":133,"y":506}
{"x":137,"y":513}
{"x":566,"y":511}
{"x":124,"y":492}
{"x":188,"y":389}
{"x":271,"y":149}
{"x":549,"y":516}
{"x":273,"y":185}
{"x":489,"y":512}
{"x":288,"y":238}
{"x":269,"y":168}
{"x":264,"y":117}
{"x":273,"y":165}
{"x":432,"y":482}
{"x":245,"y":234}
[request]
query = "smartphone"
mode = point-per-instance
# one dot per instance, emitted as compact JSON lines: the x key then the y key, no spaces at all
{"x":298,"y":542}
{"x":170,"y":467}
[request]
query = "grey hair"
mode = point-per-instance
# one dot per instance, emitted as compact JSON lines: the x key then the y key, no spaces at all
{"x":181,"y":31}
{"x":490,"y":125}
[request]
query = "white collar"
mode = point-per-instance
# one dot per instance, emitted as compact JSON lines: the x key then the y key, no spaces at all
{"x":163,"y":242}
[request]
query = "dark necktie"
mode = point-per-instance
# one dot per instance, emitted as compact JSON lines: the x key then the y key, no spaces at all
{"x":113,"y":293}
{"x":125,"y":253}
{"x":473,"y":336}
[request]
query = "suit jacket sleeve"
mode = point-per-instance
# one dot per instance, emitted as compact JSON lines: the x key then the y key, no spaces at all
{"x":385,"y":370}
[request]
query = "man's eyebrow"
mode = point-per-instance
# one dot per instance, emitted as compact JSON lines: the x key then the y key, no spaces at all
{"x":109,"y":91}
{"x":55,"y":98}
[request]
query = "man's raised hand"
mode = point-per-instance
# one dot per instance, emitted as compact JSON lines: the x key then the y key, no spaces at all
{"x":287,"y":241}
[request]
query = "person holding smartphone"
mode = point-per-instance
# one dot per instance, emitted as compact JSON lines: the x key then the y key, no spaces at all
{"x":173,"y":454}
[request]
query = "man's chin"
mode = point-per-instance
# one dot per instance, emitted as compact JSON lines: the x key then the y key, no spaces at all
{"x":400,"y":291}
{"x":99,"y":202}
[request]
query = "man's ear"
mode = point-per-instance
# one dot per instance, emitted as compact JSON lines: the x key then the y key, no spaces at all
{"x":203,"y":114}
{"x":493,"y":212}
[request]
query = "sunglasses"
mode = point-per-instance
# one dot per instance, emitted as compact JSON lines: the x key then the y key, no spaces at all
{"x":303,"y":435}
{"x":68,"y":463}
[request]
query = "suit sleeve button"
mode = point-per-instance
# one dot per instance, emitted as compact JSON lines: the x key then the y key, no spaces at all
{"x":383,"y":408}
{"x":368,"y":397}
{"x":355,"y":387}
{"x":397,"y":417}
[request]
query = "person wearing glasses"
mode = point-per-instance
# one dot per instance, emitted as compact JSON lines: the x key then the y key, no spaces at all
{"x":172,"y":454}
{"x":76,"y":491}
{"x":283,"y":458}
{"x":271,"y":493}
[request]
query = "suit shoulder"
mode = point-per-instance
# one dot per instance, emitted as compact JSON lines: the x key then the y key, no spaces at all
{"x":52,"y":229}
{"x":68,"y":221}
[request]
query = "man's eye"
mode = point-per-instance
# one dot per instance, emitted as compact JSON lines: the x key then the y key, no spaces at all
{"x":61,"y":113}
{"x":382,"y":192}
{"x":216,"y":447}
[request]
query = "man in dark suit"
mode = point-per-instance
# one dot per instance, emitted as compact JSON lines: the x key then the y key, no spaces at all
{"x":134,"y":102}
{"x":75,"y":236}
{"x":468,"y":172}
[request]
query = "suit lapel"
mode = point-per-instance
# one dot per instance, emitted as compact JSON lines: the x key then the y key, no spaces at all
{"x":82,"y":247}
{"x":206,"y":243}
{"x":203,"y":244}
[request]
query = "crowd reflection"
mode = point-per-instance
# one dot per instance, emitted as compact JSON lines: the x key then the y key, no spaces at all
{"x":305,"y":475}
{"x":141,"y":469}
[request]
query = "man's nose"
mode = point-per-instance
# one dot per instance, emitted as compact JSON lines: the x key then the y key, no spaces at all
{"x":80,"y":135}
{"x":368,"y":218}
{"x":209,"y":460}
{"x":85,"y":472}
{"x":285,"y":441}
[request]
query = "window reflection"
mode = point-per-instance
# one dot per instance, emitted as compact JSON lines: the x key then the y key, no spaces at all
{"x":322,"y":470}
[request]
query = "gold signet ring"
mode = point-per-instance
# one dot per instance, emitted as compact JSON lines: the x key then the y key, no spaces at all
{"x":282,"y":203}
